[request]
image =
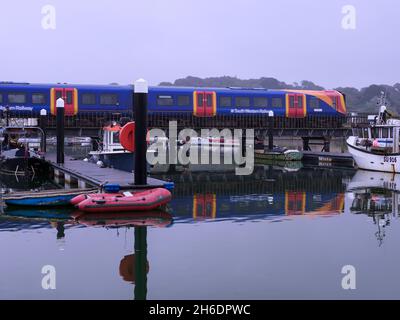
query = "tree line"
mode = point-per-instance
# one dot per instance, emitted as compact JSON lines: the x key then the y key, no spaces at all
{"x":358,"y":100}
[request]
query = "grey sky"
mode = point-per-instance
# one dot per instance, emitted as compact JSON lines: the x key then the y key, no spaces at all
{"x":103,"y":41}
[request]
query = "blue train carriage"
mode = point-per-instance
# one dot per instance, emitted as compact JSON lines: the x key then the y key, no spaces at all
{"x":288,"y":203}
{"x":211,"y":102}
{"x":25,"y":98}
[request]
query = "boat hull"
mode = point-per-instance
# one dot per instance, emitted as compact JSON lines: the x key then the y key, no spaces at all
{"x":371,"y":161}
{"x":53,"y":201}
{"x":289,"y":155}
{"x":46,"y":198}
{"x":140,"y":201}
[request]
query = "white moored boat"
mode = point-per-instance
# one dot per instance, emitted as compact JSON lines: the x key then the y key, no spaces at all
{"x":376,"y":146}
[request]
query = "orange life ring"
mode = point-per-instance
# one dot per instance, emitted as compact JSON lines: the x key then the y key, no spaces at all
{"x":127,"y":136}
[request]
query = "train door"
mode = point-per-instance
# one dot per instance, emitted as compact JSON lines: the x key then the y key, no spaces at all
{"x":70,"y":96}
{"x":204,"y":206}
{"x":295,"y":203}
{"x":204,"y":104}
{"x":295,"y":105}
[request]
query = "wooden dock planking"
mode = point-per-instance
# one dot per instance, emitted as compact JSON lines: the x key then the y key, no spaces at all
{"x":92,"y":174}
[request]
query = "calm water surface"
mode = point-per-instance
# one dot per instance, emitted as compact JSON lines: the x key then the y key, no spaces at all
{"x":280,"y":233}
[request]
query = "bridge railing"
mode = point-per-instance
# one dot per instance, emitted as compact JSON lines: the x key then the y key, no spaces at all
{"x":96,"y":119}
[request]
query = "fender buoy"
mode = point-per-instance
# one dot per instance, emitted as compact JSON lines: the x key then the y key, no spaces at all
{"x":127,"y":136}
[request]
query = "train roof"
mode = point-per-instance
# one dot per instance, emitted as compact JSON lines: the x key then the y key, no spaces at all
{"x":119,"y":86}
{"x":227,"y":90}
{"x":21,"y":85}
{"x":105,"y":87}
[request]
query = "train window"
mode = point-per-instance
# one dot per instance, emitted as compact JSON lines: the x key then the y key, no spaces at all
{"x":200,"y":98}
{"x":183,"y":100}
{"x":242,"y":102}
{"x":225,"y":102}
{"x":1,"y":98}
{"x":276,"y":102}
{"x":69,"y":97}
{"x":16,"y":98}
{"x":58,"y":94}
{"x":209,"y":100}
{"x":38,"y":98}
{"x":109,"y":99}
{"x":260,"y":102}
{"x":300,"y":101}
{"x":314,"y":102}
{"x":291,"y":101}
{"x":165,"y":100}
{"x":88,"y":98}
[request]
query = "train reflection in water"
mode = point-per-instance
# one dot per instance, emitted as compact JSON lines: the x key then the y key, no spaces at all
{"x":266,"y":194}
{"x":375,"y":194}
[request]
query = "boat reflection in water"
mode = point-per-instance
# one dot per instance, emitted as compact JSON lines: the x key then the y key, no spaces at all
{"x":375,"y":194}
{"x":133,"y":268}
{"x":268,"y":194}
{"x":11,"y":182}
{"x":17,"y":219}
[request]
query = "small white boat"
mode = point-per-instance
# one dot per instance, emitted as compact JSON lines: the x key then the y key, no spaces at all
{"x":376,"y":146}
{"x":214,"y":143}
{"x":112,"y":154}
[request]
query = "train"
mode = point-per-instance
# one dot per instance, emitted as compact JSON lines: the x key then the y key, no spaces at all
{"x":251,"y":206}
{"x":196,"y":101}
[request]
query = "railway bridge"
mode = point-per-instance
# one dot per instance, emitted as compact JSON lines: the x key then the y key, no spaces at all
{"x":308,"y":128}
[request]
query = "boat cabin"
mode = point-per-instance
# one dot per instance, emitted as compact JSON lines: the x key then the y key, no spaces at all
{"x":111,"y":141}
{"x":379,"y":138}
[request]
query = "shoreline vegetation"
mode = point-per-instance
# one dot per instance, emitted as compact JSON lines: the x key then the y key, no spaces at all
{"x":358,"y":100}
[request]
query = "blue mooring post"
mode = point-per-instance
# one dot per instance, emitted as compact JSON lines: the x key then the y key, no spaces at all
{"x":270,"y":130}
{"x":140,"y":110}
{"x":60,"y":130}
{"x":43,"y":125}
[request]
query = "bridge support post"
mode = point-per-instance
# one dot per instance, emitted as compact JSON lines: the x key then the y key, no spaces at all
{"x":7,"y":112}
{"x":140,"y":111}
{"x":327,"y":145}
{"x":243,"y":144}
{"x":60,"y":130}
{"x":306,"y":144}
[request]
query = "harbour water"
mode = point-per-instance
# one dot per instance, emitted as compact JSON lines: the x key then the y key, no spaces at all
{"x":281,"y":233}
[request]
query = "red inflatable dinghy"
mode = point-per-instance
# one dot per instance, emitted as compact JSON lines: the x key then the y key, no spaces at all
{"x":127,"y":201}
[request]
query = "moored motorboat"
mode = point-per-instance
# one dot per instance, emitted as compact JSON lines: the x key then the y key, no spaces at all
{"x":112,"y":154}
{"x":20,"y":153}
{"x":114,"y":202}
{"x":278,"y":154}
{"x":45,"y":198}
{"x":376,"y":146}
